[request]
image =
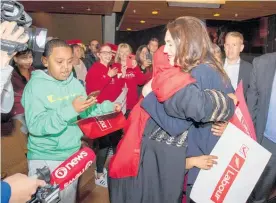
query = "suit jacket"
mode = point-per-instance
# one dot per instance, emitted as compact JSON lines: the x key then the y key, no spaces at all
{"x":259,"y":91}
{"x":244,"y":74}
{"x":89,"y":60}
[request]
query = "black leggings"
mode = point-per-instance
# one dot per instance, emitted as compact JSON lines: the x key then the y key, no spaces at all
{"x":105,"y":142}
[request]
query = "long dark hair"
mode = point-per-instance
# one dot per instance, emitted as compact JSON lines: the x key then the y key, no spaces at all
{"x":138,"y":53}
{"x":193,"y":49}
{"x":15,"y":66}
{"x":137,"y":56}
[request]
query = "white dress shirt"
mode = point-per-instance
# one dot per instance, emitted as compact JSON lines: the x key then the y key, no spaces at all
{"x":232,"y":71}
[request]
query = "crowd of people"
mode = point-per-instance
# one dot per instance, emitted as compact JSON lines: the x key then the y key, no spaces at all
{"x":180,"y":99}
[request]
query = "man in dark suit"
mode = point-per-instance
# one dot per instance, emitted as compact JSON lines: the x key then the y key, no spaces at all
{"x":236,"y":68}
{"x":261,"y":100}
{"x":91,"y":56}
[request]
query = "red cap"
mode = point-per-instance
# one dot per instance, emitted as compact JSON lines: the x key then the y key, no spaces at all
{"x":113,"y":47}
{"x":73,"y":41}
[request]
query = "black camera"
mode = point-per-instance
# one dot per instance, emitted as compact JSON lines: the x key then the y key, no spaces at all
{"x":14,"y":11}
{"x":49,"y":193}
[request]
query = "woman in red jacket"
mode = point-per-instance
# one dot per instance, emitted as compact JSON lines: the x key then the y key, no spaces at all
{"x":104,"y":78}
{"x":131,"y":73}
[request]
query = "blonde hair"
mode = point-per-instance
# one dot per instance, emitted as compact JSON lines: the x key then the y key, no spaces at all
{"x":122,"y":45}
{"x":235,"y":34}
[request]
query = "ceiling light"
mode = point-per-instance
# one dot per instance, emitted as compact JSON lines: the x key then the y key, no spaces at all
{"x":88,"y":9}
{"x":216,"y":15}
{"x":154,"y":12}
{"x":128,"y":29}
{"x":196,"y":3}
{"x":236,"y":15}
{"x":62,"y":7}
{"x":142,"y":21}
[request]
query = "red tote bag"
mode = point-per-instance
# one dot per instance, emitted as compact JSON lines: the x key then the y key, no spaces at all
{"x":100,"y":126}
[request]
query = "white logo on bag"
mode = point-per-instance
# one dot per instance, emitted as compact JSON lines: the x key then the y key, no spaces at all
{"x":103,"y":124}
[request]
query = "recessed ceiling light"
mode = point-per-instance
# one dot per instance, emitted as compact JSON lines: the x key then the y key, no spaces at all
{"x":154,"y":12}
{"x":88,"y":9}
{"x":134,"y":11}
{"x":216,"y":15}
{"x":142,"y":21}
{"x":62,"y":7}
{"x":236,"y":15}
{"x":128,"y":29}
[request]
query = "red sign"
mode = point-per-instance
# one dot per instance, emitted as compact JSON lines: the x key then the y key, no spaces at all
{"x":242,"y":118}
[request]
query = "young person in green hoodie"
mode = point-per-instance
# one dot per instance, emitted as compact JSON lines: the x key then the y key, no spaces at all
{"x":52,"y":101}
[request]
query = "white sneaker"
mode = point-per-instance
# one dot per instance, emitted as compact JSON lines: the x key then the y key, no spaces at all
{"x":102,"y":181}
{"x":110,"y":152}
{"x":104,"y":172}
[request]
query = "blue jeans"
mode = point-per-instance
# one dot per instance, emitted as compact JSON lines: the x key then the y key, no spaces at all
{"x":68,"y":195}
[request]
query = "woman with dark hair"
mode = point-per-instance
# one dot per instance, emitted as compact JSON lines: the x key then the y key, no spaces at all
{"x":22,"y":63}
{"x":144,"y":61}
{"x":187,"y":94}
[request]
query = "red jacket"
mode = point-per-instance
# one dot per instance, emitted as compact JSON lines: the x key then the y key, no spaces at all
{"x":97,"y":79}
{"x":133,"y":78}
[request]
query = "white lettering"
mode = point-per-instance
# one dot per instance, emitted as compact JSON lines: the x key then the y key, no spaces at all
{"x":102,"y":123}
{"x":76,"y":177}
{"x":76,"y":160}
{"x":224,"y":182}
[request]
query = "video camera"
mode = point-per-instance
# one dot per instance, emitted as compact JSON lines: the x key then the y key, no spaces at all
{"x":49,"y":193}
{"x":14,"y":11}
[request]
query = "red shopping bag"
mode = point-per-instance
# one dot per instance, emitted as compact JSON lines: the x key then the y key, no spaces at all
{"x":100,"y":126}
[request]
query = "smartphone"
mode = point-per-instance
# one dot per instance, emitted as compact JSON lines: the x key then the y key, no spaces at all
{"x":149,"y":56}
{"x":93,"y":94}
{"x":130,"y":58}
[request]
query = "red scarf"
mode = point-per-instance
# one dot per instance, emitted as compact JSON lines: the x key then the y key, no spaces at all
{"x":167,"y":81}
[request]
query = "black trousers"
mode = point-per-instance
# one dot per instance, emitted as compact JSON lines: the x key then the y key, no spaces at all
{"x":104,"y":144}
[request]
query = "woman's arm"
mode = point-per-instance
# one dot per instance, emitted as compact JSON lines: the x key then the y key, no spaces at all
{"x":173,"y":126}
{"x":200,"y":105}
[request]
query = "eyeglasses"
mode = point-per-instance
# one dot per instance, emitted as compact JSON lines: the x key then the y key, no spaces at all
{"x":106,"y":52}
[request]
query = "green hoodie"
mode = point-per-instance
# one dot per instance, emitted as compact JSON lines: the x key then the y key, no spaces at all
{"x":51,"y":118}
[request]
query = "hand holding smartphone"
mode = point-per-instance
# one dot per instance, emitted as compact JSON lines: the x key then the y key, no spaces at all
{"x":130,"y":59}
{"x":148,"y":56}
{"x":93,"y":94}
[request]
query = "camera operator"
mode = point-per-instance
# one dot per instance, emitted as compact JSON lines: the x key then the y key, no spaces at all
{"x":18,"y":187}
{"x":7,"y":33}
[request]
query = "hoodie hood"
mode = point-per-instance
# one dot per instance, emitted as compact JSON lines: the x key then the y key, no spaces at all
{"x":41,"y":74}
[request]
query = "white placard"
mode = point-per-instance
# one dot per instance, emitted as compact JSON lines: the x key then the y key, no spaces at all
{"x":241,"y":162}
{"x":122,"y":99}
